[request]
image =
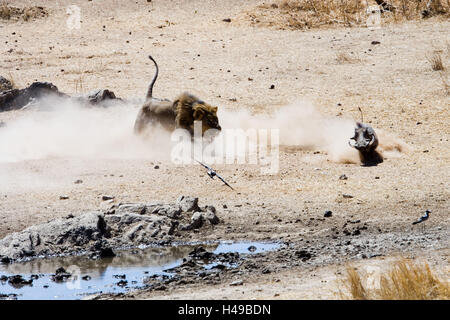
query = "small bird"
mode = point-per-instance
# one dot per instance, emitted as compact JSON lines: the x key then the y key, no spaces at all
{"x":212,"y":173}
{"x":423,"y":218}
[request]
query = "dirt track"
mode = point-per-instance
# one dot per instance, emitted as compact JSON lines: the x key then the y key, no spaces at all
{"x":198,"y":52}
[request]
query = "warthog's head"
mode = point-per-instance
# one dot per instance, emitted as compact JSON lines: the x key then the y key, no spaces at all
{"x":366,"y":141}
{"x":365,"y":138}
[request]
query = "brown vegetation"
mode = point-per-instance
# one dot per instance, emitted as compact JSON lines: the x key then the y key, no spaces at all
{"x":306,"y":14}
{"x":8,"y":12}
{"x":344,"y":57}
{"x":445,"y":83}
{"x":435,"y":61}
{"x":405,"y":280}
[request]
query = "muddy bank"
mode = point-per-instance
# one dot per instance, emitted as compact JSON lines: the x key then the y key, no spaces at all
{"x":298,"y":258}
{"x":74,"y":277}
{"x":100,"y":233}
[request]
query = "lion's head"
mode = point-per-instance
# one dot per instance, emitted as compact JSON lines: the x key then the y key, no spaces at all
{"x":207,"y":115}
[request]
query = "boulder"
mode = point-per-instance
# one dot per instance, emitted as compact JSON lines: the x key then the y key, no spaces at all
{"x":5,"y":84}
{"x":97,"y":234}
{"x":100,"y":95}
{"x":211,"y":216}
{"x":188,"y":204}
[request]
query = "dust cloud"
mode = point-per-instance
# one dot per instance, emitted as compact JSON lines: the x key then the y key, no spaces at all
{"x":301,"y":125}
{"x":56,"y":128}
{"x":66,"y":129}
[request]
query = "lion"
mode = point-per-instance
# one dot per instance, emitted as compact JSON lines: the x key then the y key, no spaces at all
{"x":181,"y":113}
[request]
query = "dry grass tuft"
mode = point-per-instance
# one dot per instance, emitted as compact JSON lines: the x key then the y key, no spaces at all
{"x":445,"y":83}
{"x":7,"y":83}
{"x":435,"y":61}
{"x":5,"y":11}
{"x":405,"y":280}
{"x":344,"y":58}
{"x":8,"y":12}
{"x":12,"y":81}
{"x":306,"y":14}
{"x":356,"y":287}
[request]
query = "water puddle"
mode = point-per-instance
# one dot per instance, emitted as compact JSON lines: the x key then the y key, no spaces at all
{"x":125,"y":271}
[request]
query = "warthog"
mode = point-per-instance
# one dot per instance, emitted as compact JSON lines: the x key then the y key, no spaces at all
{"x":366,"y":141}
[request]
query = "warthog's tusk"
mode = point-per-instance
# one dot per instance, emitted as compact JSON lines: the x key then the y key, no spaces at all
{"x":372,"y":140}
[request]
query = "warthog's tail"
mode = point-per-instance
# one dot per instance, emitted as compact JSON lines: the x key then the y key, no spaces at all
{"x":362,"y":116}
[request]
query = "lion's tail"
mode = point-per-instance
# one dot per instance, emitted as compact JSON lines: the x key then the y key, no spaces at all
{"x":150,"y":87}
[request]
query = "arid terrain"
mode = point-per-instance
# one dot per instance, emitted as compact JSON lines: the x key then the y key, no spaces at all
{"x":250,"y":72}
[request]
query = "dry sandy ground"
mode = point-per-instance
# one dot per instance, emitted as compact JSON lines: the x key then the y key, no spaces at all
{"x":198,"y":52}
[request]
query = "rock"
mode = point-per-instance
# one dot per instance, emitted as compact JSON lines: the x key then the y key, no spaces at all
{"x":173,"y":227}
{"x":303,"y":255}
{"x":375,"y":42}
{"x":131,"y":208}
{"x":122,"y":283}
{"x":132,"y":234}
{"x":17,"y":281}
{"x":100,"y":95}
{"x":272,"y":86}
{"x":102,"y":250}
{"x":61,"y":275}
{"x":16,"y":99}
{"x":105,"y":198}
{"x":211,"y":216}
{"x":328,"y":214}
{"x":266,"y":271}
{"x":170,"y":211}
{"x":251,"y":248}
{"x":86,"y":278}
{"x":60,"y":270}
{"x":343,"y":177}
{"x":63,"y":197}
{"x":11,"y":296}
{"x":78,"y":181}
{"x":201,"y":253}
{"x":160,"y":287}
{"x":226,"y":20}
{"x":5,"y":84}
{"x":13,"y":99}
{"x":188,"y":204}
{"x":61,"y":235}
{"x":96,"y":234}
{"x":347,"y":196}
{"x":5,"y":260}
{"x":197,"y":220}
{"x":237,"y":283}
